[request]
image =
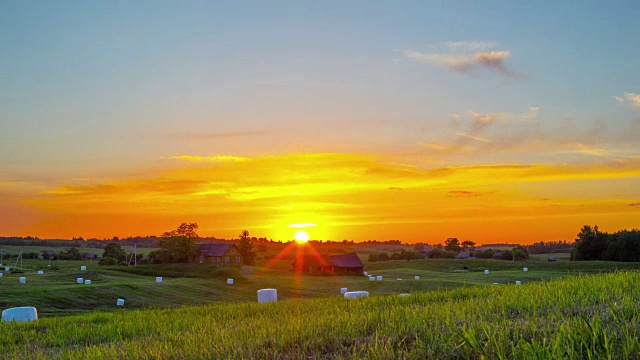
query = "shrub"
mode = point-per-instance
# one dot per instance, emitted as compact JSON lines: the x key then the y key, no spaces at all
{"x":108,"y":261}
{"x":506,"y":255}
{"x":519,"y":254}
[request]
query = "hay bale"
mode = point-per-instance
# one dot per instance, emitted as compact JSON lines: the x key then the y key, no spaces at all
{"x":87,"y":282}
{"x":399,"y":279}
{"x":83,"y":268}
{"x":7,"y":269}
{"x":486,"y":272}
{"x":404,"y":295}
{"x":21,"y":314}
{"x":525,"y":269}
{"x":23,"y":280}
{"x":267,"y":295}
{"x":158,"y":279}
{"x":379,"y":277}
{"x":80,"y":280}
{"x":1,"y":274}
{"x":343,"y":291}
{"x":518,"y":282}
{"x":229,"y":281}
{"x":372,"y":278}
{"x":417,"y":277}
{"x":495,"y":283}
{"x":120,"y":302}
{"x":366,"y":273}
{"x":355,"y":294}
{"x":40,"y":272}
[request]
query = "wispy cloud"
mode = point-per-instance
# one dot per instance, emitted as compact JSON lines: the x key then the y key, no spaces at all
{"x":635,"y":204}
{"x":213,"y":158}
{"x":216,"y":135}
{"x":467,"y":56}
{"x":630,"y":98}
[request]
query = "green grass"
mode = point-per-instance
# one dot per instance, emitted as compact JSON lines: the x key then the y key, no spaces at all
{"x":580,"y":317}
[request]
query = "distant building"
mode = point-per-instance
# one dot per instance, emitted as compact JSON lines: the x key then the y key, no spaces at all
{"x":48,"y":255}
{"x":346,"y":264}
{"x":463,"y":255}
{"x":552,"y":259}
{"x":89,"y":256}
{"x":497,"y":255}
{"x":219,"y":253}
{"x":425,"y":253}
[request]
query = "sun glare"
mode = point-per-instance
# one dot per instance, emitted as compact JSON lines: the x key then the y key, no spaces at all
{"x":301,"y":236}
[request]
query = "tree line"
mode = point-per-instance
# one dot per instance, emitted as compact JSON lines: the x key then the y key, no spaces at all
{"x":593,"y":244}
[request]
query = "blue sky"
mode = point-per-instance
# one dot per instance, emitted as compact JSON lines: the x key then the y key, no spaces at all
{"x":103,"y":90}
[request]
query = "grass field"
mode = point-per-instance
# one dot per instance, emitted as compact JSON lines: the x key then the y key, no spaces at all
{"x":580,"y":317}
{"x":56,"y":293}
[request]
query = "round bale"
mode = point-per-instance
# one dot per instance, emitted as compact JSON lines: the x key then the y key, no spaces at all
{"x":22,"y":314}
{"x":355,"y":294}
{"x":267,"y":295}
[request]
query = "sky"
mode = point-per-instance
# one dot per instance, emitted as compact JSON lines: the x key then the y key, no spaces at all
{"x":493,"y":121}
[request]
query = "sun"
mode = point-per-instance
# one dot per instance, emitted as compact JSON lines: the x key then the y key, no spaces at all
{"x":301,"y":236}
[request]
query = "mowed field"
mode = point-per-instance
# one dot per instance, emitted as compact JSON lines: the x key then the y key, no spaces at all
{"x":56,"y":293}
{"x":580,"y":317}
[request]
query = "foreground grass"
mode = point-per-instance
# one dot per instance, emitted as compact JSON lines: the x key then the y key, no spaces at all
{"x":579,"y":317}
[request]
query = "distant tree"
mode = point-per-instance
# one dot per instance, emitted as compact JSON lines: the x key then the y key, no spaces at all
{"x":115,"y":251}
{"x":246,"y":248}
{"x":506,"y":255}
{"x":71,"y":254}
{"x":484,"y":254}
{"x":518,"y":254}
{"x":179,"y":245}
{"x":623,"y":246}
{"x":262,"y":248}
{"x":452,"y":244}
{"x":419,"y":247}
{"x":590,"y":244}
{"x":468,"y":245}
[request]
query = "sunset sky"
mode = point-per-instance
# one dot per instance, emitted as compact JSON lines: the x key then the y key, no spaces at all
{"x":492,"y":121}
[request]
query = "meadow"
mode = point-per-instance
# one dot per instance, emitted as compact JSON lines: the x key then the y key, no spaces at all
{"x":576,"y":317}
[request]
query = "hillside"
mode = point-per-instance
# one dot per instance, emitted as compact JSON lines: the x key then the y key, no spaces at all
{"x":578,"y":317}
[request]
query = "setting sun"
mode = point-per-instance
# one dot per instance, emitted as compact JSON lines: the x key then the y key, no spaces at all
{"x":301,"y":236}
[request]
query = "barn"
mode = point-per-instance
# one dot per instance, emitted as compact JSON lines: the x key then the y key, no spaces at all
{"x":345,"y":264}
{"x":219,"y":253}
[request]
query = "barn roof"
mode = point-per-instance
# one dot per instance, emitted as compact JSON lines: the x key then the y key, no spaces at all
{"x":213,"y":249}
{"x":346,"y":260}
{"x":350,"y":260}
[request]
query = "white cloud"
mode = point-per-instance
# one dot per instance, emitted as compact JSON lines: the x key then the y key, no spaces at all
{"x":632,"y":98}
{"x":466,"y":56}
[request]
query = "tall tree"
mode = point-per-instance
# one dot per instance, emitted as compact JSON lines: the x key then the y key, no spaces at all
{"x":468,"y":245}
{"x":452,"y":244}
{"x":179,"y":245}
{"x":114,"y":250}
{"x":246,"y":248}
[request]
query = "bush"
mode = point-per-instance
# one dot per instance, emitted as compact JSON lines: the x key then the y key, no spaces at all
{"x":484,"y":254}
{"x":108,"y":261}
{"x":506,"y":255}
{"x":519,"y":254}
{"x":442,"y":254}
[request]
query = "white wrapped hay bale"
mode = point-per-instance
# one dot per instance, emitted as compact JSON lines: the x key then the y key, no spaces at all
{"x":87,"y":282}
{"x":486,"y":272}
{"x":23,"y":280}
{"x":366,"y":273}
{"x":7,"y":269}
{"x":343,"y":291}
{"x":518,"y":282}
{"x":404,"y":295}
{"x":229,"y":281}
{"x":267,"y":295}
{"x":495,"y":283}
{"x":417,"y":277}
{"x":158,"y":279}
{"x":379,"y":277}
{"x":40,"y":272}
{"x":525,"y":269}
{"x":355,"y":294}
{"x":372,"y":278}
{"x":1,"y":274}
{"x":80,"y":280}
{"x":83,"y":268}
{"x":120,"y":302}
{"x":22,"y":314}
{"x":399,"y":279}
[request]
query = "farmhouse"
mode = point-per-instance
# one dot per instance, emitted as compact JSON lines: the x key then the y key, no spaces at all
{"x":347,"y":264}
{"x":463,"y":255}
{"x":219,"y":253}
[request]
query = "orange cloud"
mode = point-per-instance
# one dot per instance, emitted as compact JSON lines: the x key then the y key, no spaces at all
{"x":346,"y":196}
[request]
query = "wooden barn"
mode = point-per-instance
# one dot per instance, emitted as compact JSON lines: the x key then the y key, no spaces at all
{"x":346,"y":264}
{"x":219,"y":253}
